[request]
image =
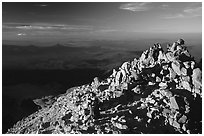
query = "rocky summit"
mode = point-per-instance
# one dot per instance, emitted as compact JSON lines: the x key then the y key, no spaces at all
{"x":159,"y":92}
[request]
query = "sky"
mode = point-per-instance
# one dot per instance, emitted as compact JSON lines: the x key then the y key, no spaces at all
{"x":55,"y":22}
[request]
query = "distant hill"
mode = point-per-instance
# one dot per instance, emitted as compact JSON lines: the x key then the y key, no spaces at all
{"x":62,"y":57}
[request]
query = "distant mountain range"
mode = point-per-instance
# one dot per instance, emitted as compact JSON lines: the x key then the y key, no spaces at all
{"x":62,"y":57}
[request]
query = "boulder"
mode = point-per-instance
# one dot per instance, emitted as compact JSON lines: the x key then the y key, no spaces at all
{"x":113,"y":73}
{"x":149,"y":114}
{"x":186,"y":85}
{"x":170,"y":56}
{"x":158,"y":79}
{"x":184,"y":127}
{"x":142,"y":57}
{"x":163,"y":85}
{"x":186,"y":78}
{"x":118,"y":78}
{"x":170,"y":121}
{"x":179,"y":47}
{"x":180,"y":42}
{"x":184,"y":71}
{"x":126,"y":66}
{"x":173,"y":47}
{"x":197,"y":78}
{"x":121,"y":119}
{"x":120,"y":126}
{"x":117,"y":93}
{"x":186,"y":52}
{"x":173,"y":103}
{"x":137,"y":89}
{"x":124,"y":76}
{"x":176,"y":67}
{"x":197,"y":91}
{"x":161,"y":56}
{"x":176,"y":124}
{"x":168,"y":94}
{"x":134,"y":74}
{"x":187,"y":64}
{"x":166,"y":112}
{"x":172,"y":74}
{"x":183,"y":119}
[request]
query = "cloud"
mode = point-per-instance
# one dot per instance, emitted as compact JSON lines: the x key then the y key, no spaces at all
{"x":41,"y":5}
{"x":46,"y":30}
{"x":50,"y":30}
{"x":45,"y":26}
{"x":189,"y":12}
{"x":106,"y":30}
{"x":165,"y":5}
{"x":174,"y":16}
{"x":21,"y":34}
{"x":139,"y":6}
{"x":194,"y":11}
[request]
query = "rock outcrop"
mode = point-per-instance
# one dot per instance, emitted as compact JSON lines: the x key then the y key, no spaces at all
{"x":160,"y":92}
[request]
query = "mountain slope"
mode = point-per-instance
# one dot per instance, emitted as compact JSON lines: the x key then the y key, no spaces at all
{"x":158,"y":93}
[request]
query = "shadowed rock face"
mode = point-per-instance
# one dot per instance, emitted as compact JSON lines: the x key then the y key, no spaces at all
{"x":161,"y":92}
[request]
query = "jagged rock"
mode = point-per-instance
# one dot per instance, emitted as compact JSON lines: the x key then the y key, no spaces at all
{"x":184,"y":71}
{"x":181,"y":42}
{"x":192,"y":64}
{"x":45,"y":101}
{"x":187,"y":64}
{"x":135,"y":75}
{"x":158,"y":79}
{"x":126,"y":66}
{"x":196,"y":77}
{"x":149,"y":114}
{"x":173,"y":103}
{"x":121,"y":119}
{"x":137,"y":89}
{"x":166,"y":112}
{"x":163,"y":85}
{"x":176,"y":124}
{"x":96,"y":82}
{"x":173,"y":47}
{"x":182,"y":119}
{"x":172,"y":74}
{"x":184,"y":127}
{"x":120,"y":126}
{"x":176,"y":67}
{"x":118,"y":78}
{"x":170,"y":56}
{"x":186,"y":85}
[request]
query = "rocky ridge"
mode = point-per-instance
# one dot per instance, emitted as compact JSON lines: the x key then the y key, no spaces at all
{"x":160,"y":92}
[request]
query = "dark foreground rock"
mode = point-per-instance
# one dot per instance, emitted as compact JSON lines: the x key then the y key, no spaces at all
{"x":161,"y":92}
